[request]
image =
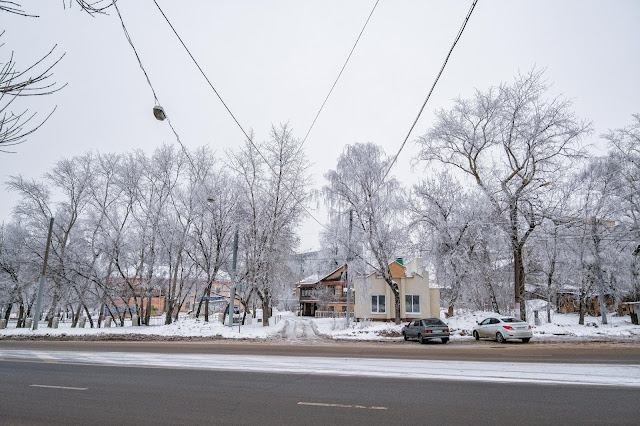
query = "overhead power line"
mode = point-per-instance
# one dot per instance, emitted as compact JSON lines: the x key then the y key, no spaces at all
{"x":201,"y":71}
{"x":155,"y":96}
{"x":340,"y":73}
{"x":249,"y":139}
{"x":433,"y":86}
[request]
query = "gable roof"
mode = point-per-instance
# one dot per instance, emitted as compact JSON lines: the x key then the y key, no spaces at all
{"x":396,"y":268}
{"x":333,"y":276}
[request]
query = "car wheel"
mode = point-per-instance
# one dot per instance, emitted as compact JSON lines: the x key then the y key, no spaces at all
{"x":500,"y":338}
{"x":475,"y":335}
{"x":405,"y":336}
{"x":421,"y":339}
{"x":445,"y":339}
{"x":525,"y":339}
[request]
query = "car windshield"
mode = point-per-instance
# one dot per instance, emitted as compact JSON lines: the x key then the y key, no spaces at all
{"x":511,"y":320}
{"x":433,"y":321}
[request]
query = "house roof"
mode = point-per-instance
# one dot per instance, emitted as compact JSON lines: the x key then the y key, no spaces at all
{"x":335,"y":275}
{"x":311,"y":279}
{"x":314,"y":279}
{"x":396,"y":268}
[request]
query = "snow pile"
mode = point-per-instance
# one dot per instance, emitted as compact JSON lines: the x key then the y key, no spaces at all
{"x":337,"y":328}
{"x":288,"y":326}
{"x":187,"y":327}
{"x":561,"y":325}
{"x":567,"y":325}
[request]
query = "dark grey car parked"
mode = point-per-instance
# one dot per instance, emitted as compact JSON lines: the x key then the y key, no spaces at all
{"x":425,"y":329}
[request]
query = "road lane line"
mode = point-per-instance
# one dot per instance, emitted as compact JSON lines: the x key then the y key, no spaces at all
{"x":322,"y":404}
{"x":58,"y":387}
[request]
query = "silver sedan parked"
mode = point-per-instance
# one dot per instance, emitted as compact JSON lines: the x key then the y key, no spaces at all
{"x":502,"y":329}
{"x":425,"y":329}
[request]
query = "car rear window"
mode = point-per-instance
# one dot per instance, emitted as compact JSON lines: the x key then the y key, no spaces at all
{"x":433,"y":321}
{"x":511,"y":320}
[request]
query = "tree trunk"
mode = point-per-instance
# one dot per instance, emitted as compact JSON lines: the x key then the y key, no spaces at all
{"x":52,"y":310}
{"x":224,"y":314}
{"x":450,"y":311}
{"x":76,"y":315}
{"x":147,"y":314}
{"x":581,"y":307}
{"x":598,"y":268}
{"x":7,"y":313}
{"x":20,"y":315}
{"x":86,"y":311}
{"x":396,"y":297}
{"x":101,"y":314}
{"x":549,"y":288}
{"x":492,"y":296}
{"x":206,"y":293}
{"x":518,"y":282}
{"x":635,"y":275}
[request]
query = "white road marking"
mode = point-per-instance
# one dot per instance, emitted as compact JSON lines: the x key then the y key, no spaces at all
{"x":624,"y":375}
{"x":59,"y":387}
{"x":320,"y":404}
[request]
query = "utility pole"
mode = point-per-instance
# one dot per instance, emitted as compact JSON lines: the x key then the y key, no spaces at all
{"x":348,"y":261}
{"x":43,"y":278}
{"x":232,"y":292}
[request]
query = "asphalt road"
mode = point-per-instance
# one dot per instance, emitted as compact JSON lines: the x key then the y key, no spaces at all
{"x":53,"y":393}
{"x":580,"y":352}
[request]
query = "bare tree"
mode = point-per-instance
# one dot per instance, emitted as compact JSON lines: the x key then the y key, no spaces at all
{"x":512,"y":141}
{"x":33,"y":80}
{"x":272,"y":188}
{"x":626,"y":151}
{"x":599,"y":187}
{"x":213,"y":227}
{"x":378,"y":205}
{"x":445,"y":229}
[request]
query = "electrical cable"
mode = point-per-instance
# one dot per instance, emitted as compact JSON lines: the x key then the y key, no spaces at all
{"x":464,"y":24}
{"x":249,"y":139}
{"x":201,"y":71}
{"x":126,"y":34}
{"x":155,"y":96}
{"x":339,"y":74}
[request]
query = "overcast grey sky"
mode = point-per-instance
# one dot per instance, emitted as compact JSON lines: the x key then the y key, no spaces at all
{"x":275,"y":61}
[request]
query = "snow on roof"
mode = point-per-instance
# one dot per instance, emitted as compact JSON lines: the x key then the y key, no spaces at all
{"x":311,"y":279}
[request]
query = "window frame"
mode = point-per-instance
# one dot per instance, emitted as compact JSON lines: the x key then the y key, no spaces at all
{"x":413,"y":304}
{"x":377,"y":299}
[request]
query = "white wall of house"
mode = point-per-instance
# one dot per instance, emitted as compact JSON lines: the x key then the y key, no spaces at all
{"x":414,"y":284}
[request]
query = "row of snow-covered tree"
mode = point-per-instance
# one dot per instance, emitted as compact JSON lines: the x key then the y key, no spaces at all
{"x":133,"y":226}
{"x":508,"y":196}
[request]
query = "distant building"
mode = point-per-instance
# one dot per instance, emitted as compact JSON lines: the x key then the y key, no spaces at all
{"x":327,"y":294}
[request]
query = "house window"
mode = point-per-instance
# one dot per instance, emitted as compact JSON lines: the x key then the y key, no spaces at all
{"x":378,"y":304}
{"x":412,"y":303}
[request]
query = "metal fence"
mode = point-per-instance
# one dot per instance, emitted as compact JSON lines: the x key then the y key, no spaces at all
{"x":330,"y":314}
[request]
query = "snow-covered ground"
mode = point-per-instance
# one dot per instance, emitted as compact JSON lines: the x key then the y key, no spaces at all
{"x":287,"y":326}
